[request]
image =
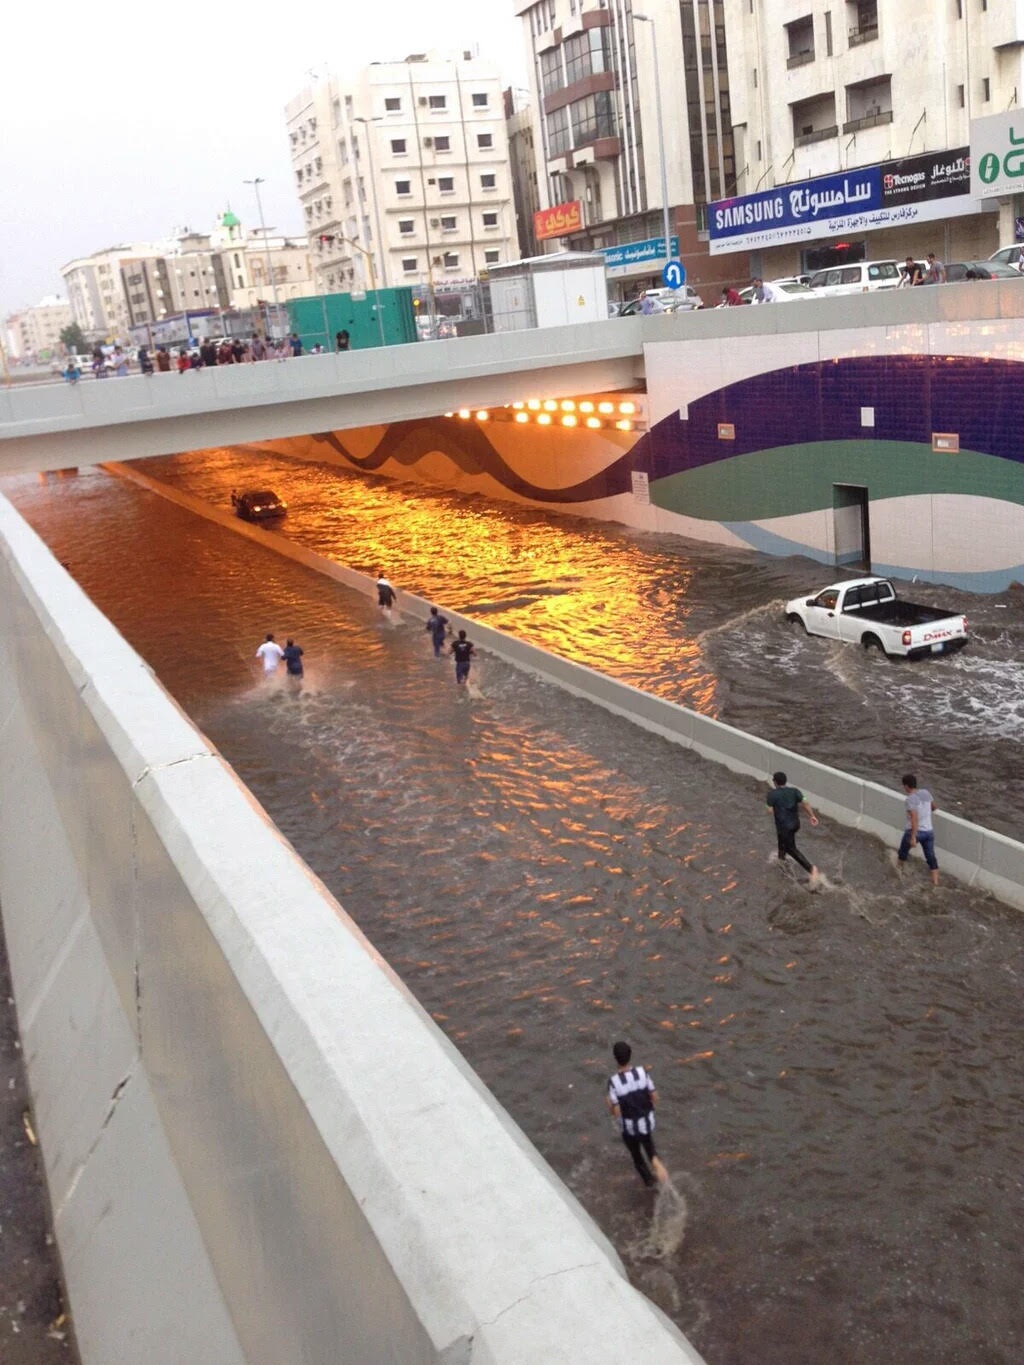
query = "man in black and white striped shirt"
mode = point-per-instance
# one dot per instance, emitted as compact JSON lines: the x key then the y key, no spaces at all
{"x":631,"y":1099}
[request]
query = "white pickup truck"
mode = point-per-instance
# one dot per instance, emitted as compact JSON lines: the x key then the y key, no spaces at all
{"x":867,"y":611}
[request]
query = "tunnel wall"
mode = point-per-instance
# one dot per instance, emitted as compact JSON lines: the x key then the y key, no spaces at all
{"x":975,"y":855}
{"x":247,"y":1123}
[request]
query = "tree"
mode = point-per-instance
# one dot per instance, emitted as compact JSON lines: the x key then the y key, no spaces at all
{"x":74,"y":338}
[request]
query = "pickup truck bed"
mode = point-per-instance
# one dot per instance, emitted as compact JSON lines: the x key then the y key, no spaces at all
{"x":898,"y":613}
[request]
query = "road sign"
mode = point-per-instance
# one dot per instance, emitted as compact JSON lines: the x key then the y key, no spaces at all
{"x":997,"y":155}
{"x":674,"y":275}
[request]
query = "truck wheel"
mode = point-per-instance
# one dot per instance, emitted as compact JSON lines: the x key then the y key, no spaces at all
{"x":795,"y":620}
{"x":872,"y":642}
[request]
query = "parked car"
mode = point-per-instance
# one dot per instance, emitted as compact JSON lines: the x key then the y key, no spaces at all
{"x":1008,"y":255}
{"x":258,"y":506}
{"x":682,"y":300}
{"x":863,"y":278}
{"x":866,"y":611}
{"x":980,"y":270}
{"x":786,"y":290}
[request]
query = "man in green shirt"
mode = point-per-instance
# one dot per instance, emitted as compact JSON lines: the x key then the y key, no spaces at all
{"x":786,"y":803}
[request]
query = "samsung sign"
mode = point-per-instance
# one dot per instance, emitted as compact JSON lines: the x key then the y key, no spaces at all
{"x":917,"y":189}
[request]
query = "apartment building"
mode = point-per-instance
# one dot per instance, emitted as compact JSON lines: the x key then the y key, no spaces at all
{"x":600,"y":134}
{"x":139,"y":284}
{"x":522,"y":155}
{"x":36,"y":331}
{"x":852,"y":122}
{"x":403,"y":175}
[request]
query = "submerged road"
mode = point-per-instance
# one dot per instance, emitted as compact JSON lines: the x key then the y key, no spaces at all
{"x":840,"y":1074}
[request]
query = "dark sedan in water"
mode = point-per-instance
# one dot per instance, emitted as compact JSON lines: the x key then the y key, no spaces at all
{"x":260,"y":506}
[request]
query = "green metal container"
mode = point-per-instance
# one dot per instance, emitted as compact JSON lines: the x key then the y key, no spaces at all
{"x":382,"y":317}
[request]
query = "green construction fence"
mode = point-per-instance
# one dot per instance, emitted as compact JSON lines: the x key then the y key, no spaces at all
{"x":380,"y":317}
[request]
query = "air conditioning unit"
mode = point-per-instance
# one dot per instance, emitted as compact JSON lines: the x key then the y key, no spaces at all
{"x":435,"y":222}
{"x":438,"y":260}
{"x":422,"y":99}
{"x":428,"y":142}
{"x":431,"y":182}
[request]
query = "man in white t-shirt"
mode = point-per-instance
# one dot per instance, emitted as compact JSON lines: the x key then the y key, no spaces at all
{"x":271,"y":654}
{"x":919,"y":806}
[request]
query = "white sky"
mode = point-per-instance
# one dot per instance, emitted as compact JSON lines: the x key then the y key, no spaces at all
{"x":118,"y":123}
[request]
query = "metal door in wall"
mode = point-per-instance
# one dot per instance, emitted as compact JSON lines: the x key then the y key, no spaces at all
{"x":851,"y":526}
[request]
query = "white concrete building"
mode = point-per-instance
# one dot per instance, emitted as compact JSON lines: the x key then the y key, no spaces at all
{"x":36,"y":331}
{"x":821,"y":88}
{"x":403,"y":174}
{"x":598,"y":144}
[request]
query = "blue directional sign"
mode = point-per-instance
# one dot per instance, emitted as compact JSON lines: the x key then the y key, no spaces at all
{"x":674,"y":275}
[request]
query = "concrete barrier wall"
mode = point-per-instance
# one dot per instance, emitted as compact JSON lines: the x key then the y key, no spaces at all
{"x":258,"y":1147}
{"x":969,"y":852}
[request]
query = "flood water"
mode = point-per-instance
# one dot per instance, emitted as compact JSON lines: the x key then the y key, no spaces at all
{"x":840,"y":1074}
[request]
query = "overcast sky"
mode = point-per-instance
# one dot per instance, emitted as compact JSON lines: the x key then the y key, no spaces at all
{"x":121,"y":123}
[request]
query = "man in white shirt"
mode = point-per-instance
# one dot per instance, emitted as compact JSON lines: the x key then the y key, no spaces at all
{"x":919,"y":807}
{"x":270,"y":654}
{"x":764,"y":293}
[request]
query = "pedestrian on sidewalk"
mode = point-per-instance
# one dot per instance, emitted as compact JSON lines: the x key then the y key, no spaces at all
{"x":919,"y":807}
{"x":786,"y":804}
{"x":631,"y":1100}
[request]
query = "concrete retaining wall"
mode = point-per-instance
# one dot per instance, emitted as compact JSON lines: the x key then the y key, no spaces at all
{"x":969,"y":852}
{"x":246,"y":1120}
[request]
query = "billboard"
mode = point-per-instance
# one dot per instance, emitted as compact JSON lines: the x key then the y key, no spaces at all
{"x":997,"y":155}
{"x":558,"y":221}
{"x":892,"y":194}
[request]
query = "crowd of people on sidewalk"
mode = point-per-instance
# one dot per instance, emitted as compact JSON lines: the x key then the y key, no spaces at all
{"x":106,"y":362}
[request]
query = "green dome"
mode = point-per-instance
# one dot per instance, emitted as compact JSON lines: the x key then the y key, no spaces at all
{"x":229,"y":220}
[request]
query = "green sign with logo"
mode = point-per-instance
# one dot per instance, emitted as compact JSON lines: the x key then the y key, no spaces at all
{"x":997,"y":155}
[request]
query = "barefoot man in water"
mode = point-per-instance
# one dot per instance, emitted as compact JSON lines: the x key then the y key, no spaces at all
{"x":631,"y":1100}
{"x":787,"y":803}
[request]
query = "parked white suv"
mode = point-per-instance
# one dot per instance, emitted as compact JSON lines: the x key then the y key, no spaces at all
{"x":1008,"y":255}
{"x":863,"y":278}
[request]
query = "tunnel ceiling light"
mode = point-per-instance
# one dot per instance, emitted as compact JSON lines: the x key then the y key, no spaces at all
{"x":606,"y":407}
{"x":482,"y":415}
{"x":570,"y":419}
{"x":544,"y":419}
{"x":586,"y":406}
{"x":449,"y":414}
{"x":533,"y":404}
{"x":627,"y":407}
{"x":464,"y":414}
{"x":593,"y":422}
{"x":624,"y":425}
{"x":567,"y":405}
{"x":550,"y":405}
{"x":518,"y":406}
{"x":522,"y":416}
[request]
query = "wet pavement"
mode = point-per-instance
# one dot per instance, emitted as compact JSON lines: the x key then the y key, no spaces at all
{"x":840,"y":1074}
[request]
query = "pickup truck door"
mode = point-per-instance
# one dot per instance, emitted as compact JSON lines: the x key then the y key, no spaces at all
{"x":823,"y":614}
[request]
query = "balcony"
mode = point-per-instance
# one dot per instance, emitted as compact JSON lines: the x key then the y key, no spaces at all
{"x":816,"y":135}
{"x":875,"y":120}
{"x":799,"y":59}
{"x":866,"y":34}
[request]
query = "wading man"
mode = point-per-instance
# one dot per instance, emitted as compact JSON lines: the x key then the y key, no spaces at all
{"x":787,"y":803}
{"x":631,"y":1100}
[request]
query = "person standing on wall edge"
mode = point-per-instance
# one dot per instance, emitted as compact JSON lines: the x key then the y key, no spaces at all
{"x":919,"y":807}
{"x":786,"y":804}
{"x":631,"y":1100}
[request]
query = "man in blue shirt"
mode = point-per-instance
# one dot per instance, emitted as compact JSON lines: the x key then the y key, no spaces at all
{"x":293,"y":659}
{"x":437,"y":625}
{"x":463,"y":651}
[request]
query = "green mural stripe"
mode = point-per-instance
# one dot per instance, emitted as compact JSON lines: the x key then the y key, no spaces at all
{"x":788,"y":480}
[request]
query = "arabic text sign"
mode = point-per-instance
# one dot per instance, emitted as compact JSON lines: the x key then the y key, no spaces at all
{"x":638,"y":253}
{"x":902,"y":215}
{"x":808,"y":201}
{"x":558,"y":221}
{"x":936,"y":175}
{"x":997,"y":155}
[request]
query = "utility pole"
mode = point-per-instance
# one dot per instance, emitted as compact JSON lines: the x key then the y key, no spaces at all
{"x":266,"y":244}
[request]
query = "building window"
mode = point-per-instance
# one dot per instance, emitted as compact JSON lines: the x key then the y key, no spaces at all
{"x":986,"y":90}
{"x":863,"y":16}
{"x":800,"y":41}
{"x":446,"y":184}
{"x":438,"y":101}
{"x":814,"y":120}
{"x":406,"y":227}
{"x":828,"y":33}
{"x":592,"y":118}
{"x":551,"y":77}
{"x":960,"y":95}
{"x":481,"y":100}
{"x":490,"y":220}
{"x":409,"y":265}
{"x":449,"y":222}
{"x":403,"y":187}
{"x":392,"y":104}
{"x":492,"y":256}
{"x":398,"y":146}
{"x":488,"y":181}
{"x":868,"y":104}
{"x":451,"y":260}
{"x":485,"y":142}
{"x":585,"y":54}
{"x":442,"y":144}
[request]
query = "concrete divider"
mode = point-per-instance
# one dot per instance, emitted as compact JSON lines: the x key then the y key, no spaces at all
{"x":258,"y":1147}
{"x":969,"y":852}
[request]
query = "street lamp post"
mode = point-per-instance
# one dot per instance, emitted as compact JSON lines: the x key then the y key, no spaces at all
{"x":376,"y":197}
{"x":266,"y":244}
{"x":646,"y":19}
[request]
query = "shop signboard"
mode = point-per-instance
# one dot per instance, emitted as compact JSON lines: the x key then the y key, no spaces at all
{"x":558,"y":221}
{"x":997,"y":155}
{"x":918,"y":189}
{"x":631,"y":258}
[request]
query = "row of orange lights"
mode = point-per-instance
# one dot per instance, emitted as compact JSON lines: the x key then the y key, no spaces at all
{"x":568,"y":412}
